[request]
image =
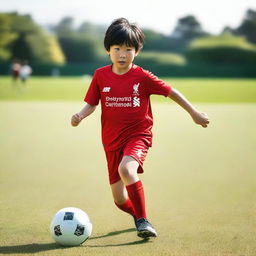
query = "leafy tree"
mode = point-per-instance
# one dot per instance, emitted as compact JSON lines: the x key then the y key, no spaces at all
{"x":55,"y":50}
{"x":155,"y":41}
{"x":79,"y":44}
{"x":65,"y":27}
{"x":31,"y":41}
{"x":187,"y":29}
{"x":79,"y":49}
{"x":7,"y":36}
{"x":248,"y":26}
{"x":21,"y":49}
{"x":23,"y":26}
{"x":225,"y":49}
{"x":92,"y":30}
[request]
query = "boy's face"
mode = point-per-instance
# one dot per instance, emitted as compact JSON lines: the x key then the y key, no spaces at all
{"x":122,"y":57}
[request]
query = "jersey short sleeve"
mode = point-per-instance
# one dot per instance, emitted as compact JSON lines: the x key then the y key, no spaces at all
{"x":92,"y":96}
{"x":155,"y":85}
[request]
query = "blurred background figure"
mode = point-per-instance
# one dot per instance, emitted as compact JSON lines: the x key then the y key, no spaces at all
{"x":25,"y":71}
{"x":55,"y":72}
{"x":15,"y":71}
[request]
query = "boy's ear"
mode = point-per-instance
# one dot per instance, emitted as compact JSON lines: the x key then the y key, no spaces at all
{"x":137,"y":53}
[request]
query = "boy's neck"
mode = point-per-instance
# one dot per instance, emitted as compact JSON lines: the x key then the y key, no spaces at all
{"x":121,"y":71}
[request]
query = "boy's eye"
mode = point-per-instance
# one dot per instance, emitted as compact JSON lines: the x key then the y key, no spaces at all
{"x":116,"y":48}
{"x":129,"y":49}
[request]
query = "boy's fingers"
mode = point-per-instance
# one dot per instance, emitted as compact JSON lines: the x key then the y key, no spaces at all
{"x":74,"y":123}
{"x":75,"y":120}
{"x":78,"y":117}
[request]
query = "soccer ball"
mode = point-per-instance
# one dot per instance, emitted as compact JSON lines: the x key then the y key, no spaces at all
{"x":70,"y":226}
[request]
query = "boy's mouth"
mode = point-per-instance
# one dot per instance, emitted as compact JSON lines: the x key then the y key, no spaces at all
{"x":121,"y":62}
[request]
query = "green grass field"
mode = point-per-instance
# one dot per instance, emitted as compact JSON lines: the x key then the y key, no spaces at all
{"x":73,"y":89}
{"x":200,"y":183}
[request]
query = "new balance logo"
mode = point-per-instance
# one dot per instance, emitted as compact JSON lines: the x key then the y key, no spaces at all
{"x":136,"y":102}
{"x":106,"y":89}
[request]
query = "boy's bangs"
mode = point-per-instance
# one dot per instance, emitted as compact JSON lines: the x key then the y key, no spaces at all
{"x":126,"y":37}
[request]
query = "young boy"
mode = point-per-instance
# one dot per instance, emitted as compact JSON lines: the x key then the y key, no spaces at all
{"x":124,"y":90}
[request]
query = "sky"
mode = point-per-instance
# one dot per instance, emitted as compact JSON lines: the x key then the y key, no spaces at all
{"x":160,"y":15}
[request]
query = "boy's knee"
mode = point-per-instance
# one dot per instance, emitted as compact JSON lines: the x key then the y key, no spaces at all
{"x":123,"y":170}
{"x":128,"y":170}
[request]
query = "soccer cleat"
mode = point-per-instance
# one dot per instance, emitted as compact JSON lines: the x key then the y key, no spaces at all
{"x":145,"y":229}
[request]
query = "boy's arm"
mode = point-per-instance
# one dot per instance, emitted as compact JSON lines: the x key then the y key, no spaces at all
{"x":85,"y":111}
{"x":198,"y":117}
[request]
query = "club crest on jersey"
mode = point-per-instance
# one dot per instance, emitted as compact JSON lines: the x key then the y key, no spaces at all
{"x":136,"y":89}
{"x":106,"y":89}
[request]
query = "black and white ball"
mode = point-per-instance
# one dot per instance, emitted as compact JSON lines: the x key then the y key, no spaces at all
{"x":71,"y":226}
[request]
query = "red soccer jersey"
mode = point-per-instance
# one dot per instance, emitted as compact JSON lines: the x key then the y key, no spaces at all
{"x":125,"y":104}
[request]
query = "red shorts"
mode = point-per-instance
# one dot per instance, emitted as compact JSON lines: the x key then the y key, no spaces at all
{"x":136,"y":148}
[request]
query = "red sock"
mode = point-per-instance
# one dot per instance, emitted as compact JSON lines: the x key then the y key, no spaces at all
{"x":126,"y":207}
{"x":136,"y":195}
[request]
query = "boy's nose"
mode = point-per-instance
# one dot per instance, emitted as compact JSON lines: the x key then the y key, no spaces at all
{"x":122,"y":55}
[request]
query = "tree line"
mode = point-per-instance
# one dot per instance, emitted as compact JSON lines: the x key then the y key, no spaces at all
{"x":22,"y":38}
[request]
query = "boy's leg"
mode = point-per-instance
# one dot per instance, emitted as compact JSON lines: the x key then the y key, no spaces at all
{"x":124,"y":165}
{"x":119,"y":191}
{"x":128,"y":173}
{"x":121,"y":198}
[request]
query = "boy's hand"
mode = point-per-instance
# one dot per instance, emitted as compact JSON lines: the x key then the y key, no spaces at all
{"x":200,"y":118}
{"x":75,"y":120}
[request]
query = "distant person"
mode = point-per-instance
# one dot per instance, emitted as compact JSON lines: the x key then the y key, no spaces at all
{"x":15,"y":70}
{"x":124,"y":91}
{"x":25,"y":71}
{"x":55,"y":72}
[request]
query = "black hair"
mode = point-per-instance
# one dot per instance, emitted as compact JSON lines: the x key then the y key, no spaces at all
{"x":122,"y":32}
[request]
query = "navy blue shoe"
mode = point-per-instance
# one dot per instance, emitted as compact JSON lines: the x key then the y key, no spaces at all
{"x":145,"y":229}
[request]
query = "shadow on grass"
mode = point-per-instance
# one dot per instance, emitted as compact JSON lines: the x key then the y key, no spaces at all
{"x":36,"y":247}
{"x":114,"y":233}
{"x":29,"y":248}
{"x":123,"y":244}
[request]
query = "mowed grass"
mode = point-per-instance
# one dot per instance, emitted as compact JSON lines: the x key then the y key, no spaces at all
{"x":200,"y":183}
{"x":197,"y":90}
